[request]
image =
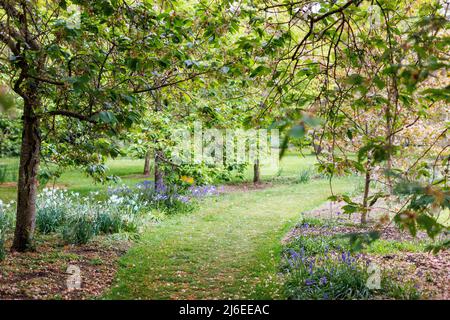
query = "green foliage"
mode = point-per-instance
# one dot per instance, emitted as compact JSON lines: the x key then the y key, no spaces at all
{"x":4,"y":173}
{"x":78,"y":219}
{"x":10,"y":133}
{"x":109,"y":223}
{"x":100,"y":77}
{"x":304,"y":176}
{"x":7,"y":100}
{"x":441,"y":245}
{"x":50,"y":219}
{"x":79,"y":229}
{"x":361,"y":240}
{"x":99,"y":80}
{"x":322,"y":267}
{"x":6,"y":224}
{"x":423,"y":202}
{"x":328,"y":279}
{"x":3,"y":230}
{"x":388,"y":247}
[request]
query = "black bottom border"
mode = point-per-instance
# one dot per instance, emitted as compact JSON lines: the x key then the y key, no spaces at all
{"x":207,"y":309}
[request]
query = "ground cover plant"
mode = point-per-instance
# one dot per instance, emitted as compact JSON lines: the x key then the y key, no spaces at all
{"x":323,"y":267}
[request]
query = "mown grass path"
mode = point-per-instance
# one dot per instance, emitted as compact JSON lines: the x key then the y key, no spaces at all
{"x":229,"y":248}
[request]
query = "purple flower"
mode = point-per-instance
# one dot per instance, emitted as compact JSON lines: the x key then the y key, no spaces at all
{"x":183,"y":199}
{"x":202,"y":191}
{"x":309,"y":282}
{"x":323,"y":280}
{"x":346,"y":257}
{"x":293,"y":253}
{"x":311,"y":267}
{"x":291,"y":262}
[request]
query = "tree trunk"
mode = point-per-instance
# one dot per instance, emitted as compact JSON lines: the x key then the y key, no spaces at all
{"x":147,"y":164}
{"x":256,"y":173}
{"x":27,"y":184}
{"x":159,"y":155}
{"x":316,"y":146}
{"x":389,"y":140}
{"x":365,"y":197}
{"x":159,"y":172}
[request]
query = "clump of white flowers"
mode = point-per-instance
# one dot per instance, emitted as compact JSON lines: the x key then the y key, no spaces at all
{"x":79,"y":218}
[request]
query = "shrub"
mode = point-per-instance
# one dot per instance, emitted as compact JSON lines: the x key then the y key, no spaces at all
{"x":79,"y":229}
{"x":108,"y":223}
{"x":52,"y":207}
{"x":49,"y":219}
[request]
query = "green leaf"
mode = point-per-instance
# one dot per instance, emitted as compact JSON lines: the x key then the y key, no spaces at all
{"x":297,"y":131}
{"x":379,"y":83}
{"x":355,"y":79}
{"x":349,"y":208}
{"x":260,"y":71}
{"x":107,"y":117}
{"x":429,"y":224}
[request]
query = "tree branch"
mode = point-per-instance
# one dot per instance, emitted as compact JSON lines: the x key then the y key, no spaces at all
{"x":312,"y":21}
{"x":71,"y":114}
{"x":57,"y":83}
{"x":168,"y":84}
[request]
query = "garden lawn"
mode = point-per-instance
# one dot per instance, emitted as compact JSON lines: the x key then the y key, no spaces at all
{"x":128,"y":170}
{"x":229,"y":248}
{"x":130,"y":173}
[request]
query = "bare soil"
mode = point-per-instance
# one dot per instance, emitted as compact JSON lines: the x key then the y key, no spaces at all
{"x":43,"y":274}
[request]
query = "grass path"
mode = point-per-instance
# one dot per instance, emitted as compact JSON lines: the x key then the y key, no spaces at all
{"x":229,"y":248}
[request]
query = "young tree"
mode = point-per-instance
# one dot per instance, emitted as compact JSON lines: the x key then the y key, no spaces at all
{"x":80,"y":74}
{"x":370,"y":85}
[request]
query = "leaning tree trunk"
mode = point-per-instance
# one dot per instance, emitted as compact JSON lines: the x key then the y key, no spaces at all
{"x":147,"y":164}
{"x":256,"y":172}
{"x":27,"y":184}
